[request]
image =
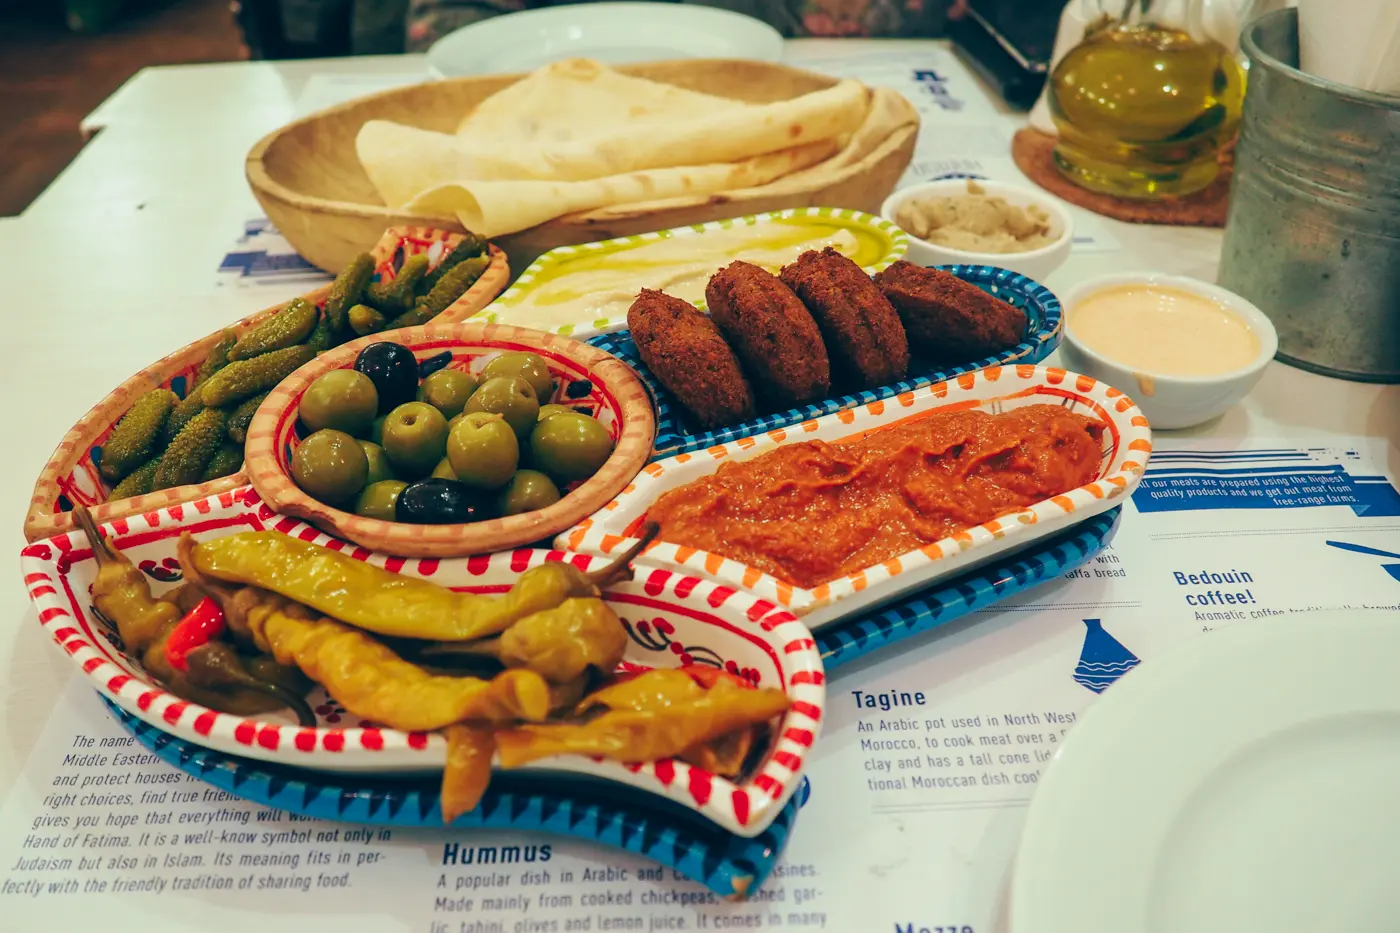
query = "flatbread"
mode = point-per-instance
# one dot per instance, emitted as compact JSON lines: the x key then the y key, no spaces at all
{"x":889,"y":112}
{"x":493,"y":208}
{"x":583,"y":98}
{"x":400,"y":158}
{"x":577,"y":136}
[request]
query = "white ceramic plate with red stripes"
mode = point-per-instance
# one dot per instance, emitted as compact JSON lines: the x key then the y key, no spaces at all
{"x":1127,"y":444}
{"x":672,"y":619}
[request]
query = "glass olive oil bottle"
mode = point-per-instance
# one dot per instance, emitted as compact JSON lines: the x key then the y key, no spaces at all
{"x":1144,"y":109}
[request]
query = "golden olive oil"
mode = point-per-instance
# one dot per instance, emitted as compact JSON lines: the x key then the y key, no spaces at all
{"x":1143,"y":110}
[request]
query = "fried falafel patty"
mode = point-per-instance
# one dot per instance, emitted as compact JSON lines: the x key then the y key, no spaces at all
{"x":947,"y":319}
{"x":864,"y":338}
{"x":686,"y":352}
{"x":772,"y":332}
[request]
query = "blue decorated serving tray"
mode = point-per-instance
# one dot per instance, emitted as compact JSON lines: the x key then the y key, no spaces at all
{"x":845,"y":641}
{"x":642,"y":824}
{"x":676,"y":433}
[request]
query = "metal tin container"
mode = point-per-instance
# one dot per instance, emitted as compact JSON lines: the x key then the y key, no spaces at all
{"x":1313,"y":236}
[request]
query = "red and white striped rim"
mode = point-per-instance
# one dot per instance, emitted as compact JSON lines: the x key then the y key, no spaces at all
{"x":781,"y":649}
{"x":1127,"y":447}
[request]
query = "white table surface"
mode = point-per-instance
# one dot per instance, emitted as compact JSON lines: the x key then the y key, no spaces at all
{"x":112,"y":267}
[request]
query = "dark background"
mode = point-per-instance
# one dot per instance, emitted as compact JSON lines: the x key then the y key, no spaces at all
{"x":51,"y":76}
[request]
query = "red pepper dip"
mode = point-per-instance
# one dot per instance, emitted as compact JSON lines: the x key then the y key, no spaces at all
{"x":811,"y":512}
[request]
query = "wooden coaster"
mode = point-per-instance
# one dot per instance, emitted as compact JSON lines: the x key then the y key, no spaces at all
{"x":1032,"y":150}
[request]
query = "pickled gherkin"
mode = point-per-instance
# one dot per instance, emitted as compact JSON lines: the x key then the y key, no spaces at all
{"x":133,"y":440}
{"x":242,"y":416}
{"x":469,"y":246}
{"x":419,"y":315}
{"x":138,"y":483}
{"x":365,"y":320}
{"x":287,"y":328}
{"x":320,"y":340}
{"x":454,"y":284}
{"x":347,"y":289}
{"x":225,"y":462}
{"x":396,"y":294}
{"x":190,"y":452}
{"x":217,"y":358}
{"x":245,"y":378}
{"x":180,"y":416}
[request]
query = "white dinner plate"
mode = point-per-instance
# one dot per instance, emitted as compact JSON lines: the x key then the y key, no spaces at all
{"x":612,"y":33}
{"x":1248,"y":781}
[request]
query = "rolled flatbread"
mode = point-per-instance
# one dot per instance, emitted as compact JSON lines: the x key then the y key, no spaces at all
{"x":577,"y":135}
{"x":493,"y":208}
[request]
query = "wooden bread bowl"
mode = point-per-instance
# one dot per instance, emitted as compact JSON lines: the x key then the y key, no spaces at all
{"x":309,"y":181}
{"x":70,"y":477}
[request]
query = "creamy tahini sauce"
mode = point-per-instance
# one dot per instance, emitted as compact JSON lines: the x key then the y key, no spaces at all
{"x":1157,"y":329}
{"x":590,"y":287}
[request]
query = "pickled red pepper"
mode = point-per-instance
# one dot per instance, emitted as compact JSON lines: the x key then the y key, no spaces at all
{"x":201,"y":625}
{"x":121,"y":593}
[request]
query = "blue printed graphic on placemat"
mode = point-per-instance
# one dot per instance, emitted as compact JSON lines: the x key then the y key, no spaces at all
{"x":590,"y":810}
{"x":1264,"y":479}
{"x":1103,"y":659}
{"x":1392,"y":569}
{"x":265,"y":255}
{"x":676,"y":434}
{"x":937,"y":85}
{"x":948,"y":601}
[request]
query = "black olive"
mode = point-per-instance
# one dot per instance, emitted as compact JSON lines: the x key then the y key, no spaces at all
{"x":440,"y":502}
{"x":393,"y":369}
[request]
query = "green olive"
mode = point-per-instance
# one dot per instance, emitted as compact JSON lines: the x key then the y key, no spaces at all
{"x":379,"y":469}
{"x":342,"y":400}
{"x":528,"y":491}
{"x":483,"y":450}
{"x":444,"y":469}
{"x":376,"y":431}
{"x":415,"y":438}
{"x":569,"y":447}
{"x":547,"y":411}
{"x":448,"y":390}
{"x":528,"y":366}
{"x":511,"y":397}
{"x":378,"y":499}
{"x":330,"y":466}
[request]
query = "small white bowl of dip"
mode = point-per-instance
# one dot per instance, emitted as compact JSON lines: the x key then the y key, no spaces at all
{"x":1185,"y":350}
{"x":1035,"y":263}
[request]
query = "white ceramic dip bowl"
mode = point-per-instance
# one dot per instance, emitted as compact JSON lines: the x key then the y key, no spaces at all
{"x":1171,"y":400}
{"x":1035,"y":264}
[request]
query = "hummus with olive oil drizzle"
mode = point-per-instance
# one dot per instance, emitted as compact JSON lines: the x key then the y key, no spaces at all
{"x":596,"y":285}
{"x":1160,"y":331}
